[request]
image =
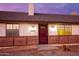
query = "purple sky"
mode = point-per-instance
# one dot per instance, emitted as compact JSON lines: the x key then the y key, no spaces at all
{"x":51,"y":8}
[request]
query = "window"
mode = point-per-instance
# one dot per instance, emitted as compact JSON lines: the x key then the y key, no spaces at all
{"x":68,"y":30}
{"x":12,"y":30}
{"x":64,"y":29}
{"x":59,"y":29}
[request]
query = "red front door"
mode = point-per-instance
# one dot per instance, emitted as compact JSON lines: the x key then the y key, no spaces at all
{"x":43,"y":34}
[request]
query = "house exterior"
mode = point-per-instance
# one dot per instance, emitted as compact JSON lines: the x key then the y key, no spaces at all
{"x":21,"y":29}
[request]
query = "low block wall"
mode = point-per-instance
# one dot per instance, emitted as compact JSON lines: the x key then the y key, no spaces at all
{"x":19,"y":41}
{"x":63,"y":39}
{"x":74,"y":39}
{"x":3,"y":41}
{"x":53,"y":40}
{"x":34,"y":40}
{"x":10,"y":41}
{"x":6,"y":41}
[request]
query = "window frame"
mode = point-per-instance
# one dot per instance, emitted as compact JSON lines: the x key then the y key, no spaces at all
{"x":12,"y":29}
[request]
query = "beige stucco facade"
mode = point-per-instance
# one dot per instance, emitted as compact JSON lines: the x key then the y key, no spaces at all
{"x":29,"y":34}
{"x":2,"y":30}
{"x":28,"y":30}
{"x":75,"y":29}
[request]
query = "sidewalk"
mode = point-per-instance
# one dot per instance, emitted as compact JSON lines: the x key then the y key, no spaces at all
{"x":35,"y":50}
{"x":17,"y":48}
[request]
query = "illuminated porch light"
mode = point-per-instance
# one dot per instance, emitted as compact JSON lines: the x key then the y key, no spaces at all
{"x":53,"y":28}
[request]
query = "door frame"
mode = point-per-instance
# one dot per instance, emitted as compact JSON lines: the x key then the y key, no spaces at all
{"x":39,"y":31}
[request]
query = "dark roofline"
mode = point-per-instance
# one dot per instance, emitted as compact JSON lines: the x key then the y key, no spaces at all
{"x":24,"y":17}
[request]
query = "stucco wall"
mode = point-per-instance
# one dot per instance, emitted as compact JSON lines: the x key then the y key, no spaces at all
{"x":28,"y":30}
{"x":75,"y":29}
{"x":52,"y":29}
{"x":2,"y":30}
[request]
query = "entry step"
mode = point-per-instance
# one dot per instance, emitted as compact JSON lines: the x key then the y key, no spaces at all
{"x":47,"y":47}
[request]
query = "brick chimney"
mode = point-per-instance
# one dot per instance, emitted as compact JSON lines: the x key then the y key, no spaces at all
{"x":30,"y":9}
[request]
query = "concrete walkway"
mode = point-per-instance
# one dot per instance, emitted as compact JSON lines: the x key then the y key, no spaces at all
{"x":36,"y":50}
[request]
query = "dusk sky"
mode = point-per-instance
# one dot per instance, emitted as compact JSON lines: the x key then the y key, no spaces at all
{"x":51,"y":8}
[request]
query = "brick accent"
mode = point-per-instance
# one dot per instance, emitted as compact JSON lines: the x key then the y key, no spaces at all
{"x":19,"y":41}
{"x":32,"y":40}
{"x":77,"y":39}
{"x":52,"y":39}
{"x":63,"y":39}
{"x":3,"y":41}
{"x":10,"y":41}
{"x":73,"y":39}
